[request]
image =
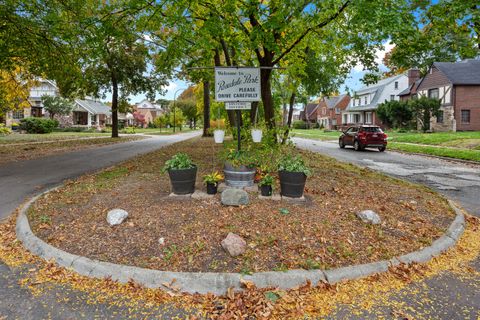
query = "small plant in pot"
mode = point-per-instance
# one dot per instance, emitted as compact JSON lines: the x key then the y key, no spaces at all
{"x":182,"y":172}
{"x":266,"y":185}
{"x":239,"y":167}
{"x":293,"y":175}
{"x":212,"y":180}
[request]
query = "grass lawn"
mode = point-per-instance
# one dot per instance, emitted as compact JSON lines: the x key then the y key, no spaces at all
{"x":26,"y":151}
{"x":26,"y":137}
{"x":457,"y":145}
{"x":322,"y":232}
{"x":163,"y":131}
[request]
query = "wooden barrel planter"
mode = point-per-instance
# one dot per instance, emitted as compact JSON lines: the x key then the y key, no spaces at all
{"x":238,"y":177}
{"x":183,"y":180}
{"x":292,"y":184}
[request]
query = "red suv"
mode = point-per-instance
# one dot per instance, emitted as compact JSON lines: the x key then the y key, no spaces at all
{"x":361,"y":137}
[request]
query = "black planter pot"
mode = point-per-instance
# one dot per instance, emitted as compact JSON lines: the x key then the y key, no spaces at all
{"x":212,"y":188}
{"x":183,"y":180}
{"x":292,"y":184}
{"x":238,"y":177}
{"x":266,"y":190}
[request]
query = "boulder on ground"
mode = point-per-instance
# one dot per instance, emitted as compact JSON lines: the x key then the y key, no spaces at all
{"x":116,"y":216}
{"x":369,"y":216}
{"x":234,"y":244}
{"x":235,"y":197}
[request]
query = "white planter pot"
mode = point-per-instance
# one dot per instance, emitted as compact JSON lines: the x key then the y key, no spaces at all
{"x":256,"y":135}
{"x":218,"y":135}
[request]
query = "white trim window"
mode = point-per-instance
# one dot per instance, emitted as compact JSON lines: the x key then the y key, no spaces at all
{"x":368,"y":117}
{"x":356,"y":118}
{"x":18,"y":114}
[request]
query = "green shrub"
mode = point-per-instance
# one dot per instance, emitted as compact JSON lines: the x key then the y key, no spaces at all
{"x":129,"y":130}
{"x":178,"y":161}
{"x":267,"y":180}
{"x":299,"y":124}
{"x":38,"y":125}
{"x":4,"y":131}
{"x":293,"y":164}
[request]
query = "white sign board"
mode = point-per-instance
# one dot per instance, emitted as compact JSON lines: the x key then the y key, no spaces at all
{"x":238,"y":105}
{"x":237,"y":84}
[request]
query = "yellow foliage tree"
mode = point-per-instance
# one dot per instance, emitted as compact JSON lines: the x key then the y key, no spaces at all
{"x":15,"y":87}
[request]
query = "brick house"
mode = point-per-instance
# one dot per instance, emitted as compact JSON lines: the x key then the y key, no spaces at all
{"x":365,"y":101}
{"x":310,"y":112}
{"x":330,"y":112}
{"x":149,"y":110}
{"x":457,"y":85}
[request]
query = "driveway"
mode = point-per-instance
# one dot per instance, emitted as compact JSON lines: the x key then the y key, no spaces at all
{"x":455,"y":180}
{"x":20,"y":180}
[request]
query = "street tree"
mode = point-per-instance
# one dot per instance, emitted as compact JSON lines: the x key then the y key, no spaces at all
{"x":424,"y":109}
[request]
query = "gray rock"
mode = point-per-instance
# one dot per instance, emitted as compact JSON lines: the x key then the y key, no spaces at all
{"x":369,"y":216}
{"x":234,"y":197}
{"x":201,"y":195}
{"x":222,"y":187}
{"x":234,"y":244}
{"x":116,"y":216}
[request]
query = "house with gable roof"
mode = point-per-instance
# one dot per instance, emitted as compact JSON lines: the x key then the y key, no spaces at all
{"x":362,"y":106}
{"x":331,"y":108}
{"x":457,"y":85}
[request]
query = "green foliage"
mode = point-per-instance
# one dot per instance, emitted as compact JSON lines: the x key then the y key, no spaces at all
{"x":212,"y":178}
{"x":267,"y":180}
{"x":176,"y":118}
{"x":38,"y":125}
{"x":129,"y":130}
{"x":4,"y":131}
{"x":424,"y":108}
{"x":299,"y":124}
{"x":248,"y":158}
{"x":396,"y":114}
{"x":178,"y":161}
{"x":56,"y":105}
{"x":293,"y":163}
{"x":161,"y":121}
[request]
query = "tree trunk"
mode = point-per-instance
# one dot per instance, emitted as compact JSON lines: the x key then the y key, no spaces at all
{"x":289,"y":119}
{"x":114,"y":106}
{"x":267,"y":99}
{"x":206,"y":107}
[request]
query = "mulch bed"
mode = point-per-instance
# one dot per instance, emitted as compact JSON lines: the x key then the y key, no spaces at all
{"x":322,"y":233}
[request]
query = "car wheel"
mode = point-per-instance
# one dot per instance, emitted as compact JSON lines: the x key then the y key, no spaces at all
{"x":341,"y":144}
{"x":381,"y":149}
{"x":357,"y":146}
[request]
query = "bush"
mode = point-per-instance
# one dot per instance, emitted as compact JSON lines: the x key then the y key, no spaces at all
{"x":4,"y":131}
{"x":129,"y":130}
{"x":38,"y":125}
{"x":299,"y":124}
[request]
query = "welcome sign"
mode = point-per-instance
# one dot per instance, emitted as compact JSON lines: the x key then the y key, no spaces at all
{"x":237,"y":84}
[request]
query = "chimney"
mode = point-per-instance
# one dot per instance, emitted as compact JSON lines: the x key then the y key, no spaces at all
{"x":413,"y":75}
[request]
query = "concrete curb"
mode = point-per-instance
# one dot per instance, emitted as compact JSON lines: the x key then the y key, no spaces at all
{"x":218,"y":283}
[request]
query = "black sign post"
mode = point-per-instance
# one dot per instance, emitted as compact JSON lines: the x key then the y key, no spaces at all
{"x":239,"y":119}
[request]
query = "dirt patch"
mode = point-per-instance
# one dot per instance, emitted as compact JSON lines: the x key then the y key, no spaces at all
{"x":321,"y":233}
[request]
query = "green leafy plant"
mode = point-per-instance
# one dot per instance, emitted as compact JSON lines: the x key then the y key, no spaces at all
{"x":38,"y":125}
{"x":129,"y":130}
{"x":212,"y":178}
{"x":248,"y":158}
{"x":4,"y":131}
{"x":267,"y":180}
{"x":293,"y":164}
{"x":177,"y":162}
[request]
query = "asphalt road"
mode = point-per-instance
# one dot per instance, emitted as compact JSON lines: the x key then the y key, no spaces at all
{"x":457,"y":181}
{"x":23,"y":179}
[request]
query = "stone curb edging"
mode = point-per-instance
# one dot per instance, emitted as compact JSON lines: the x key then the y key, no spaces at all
{"x":218,"y":283}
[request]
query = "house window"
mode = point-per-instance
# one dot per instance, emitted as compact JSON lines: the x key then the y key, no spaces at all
{"x":93,"y":119}
{"x":368,"y":117}
{"x":392,"y":97}
{"x":465,"y":116}
{"x":356,"y":118}
{"x":354,"y":102}
{"x":440,"y":117}
{"x":396,"y":85}
{"x":17,"y":114}
{"x":334,"y":122}
{"x":365,"y":100}
{"x":433,"y":93}
{"x":80,"y":118}
{"x":337,"y":110}
{"x":345,"y":118}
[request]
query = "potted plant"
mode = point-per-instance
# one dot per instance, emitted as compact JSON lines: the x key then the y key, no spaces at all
{"x":293,"y":174}
{"x":182,"y":173}
{"x":211,"y":180}
{"x":265,"y":185}
{"x":239,"y":167}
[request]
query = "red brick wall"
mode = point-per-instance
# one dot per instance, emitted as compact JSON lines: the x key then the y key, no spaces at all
{"x":343,"y":104}
{"x":467,"y":98}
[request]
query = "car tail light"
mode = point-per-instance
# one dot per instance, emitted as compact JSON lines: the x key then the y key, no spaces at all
{"x":361,"y":135}
{"x":385,"y":136}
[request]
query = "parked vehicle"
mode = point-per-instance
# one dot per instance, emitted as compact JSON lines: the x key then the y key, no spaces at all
{"x":363,"y":136}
